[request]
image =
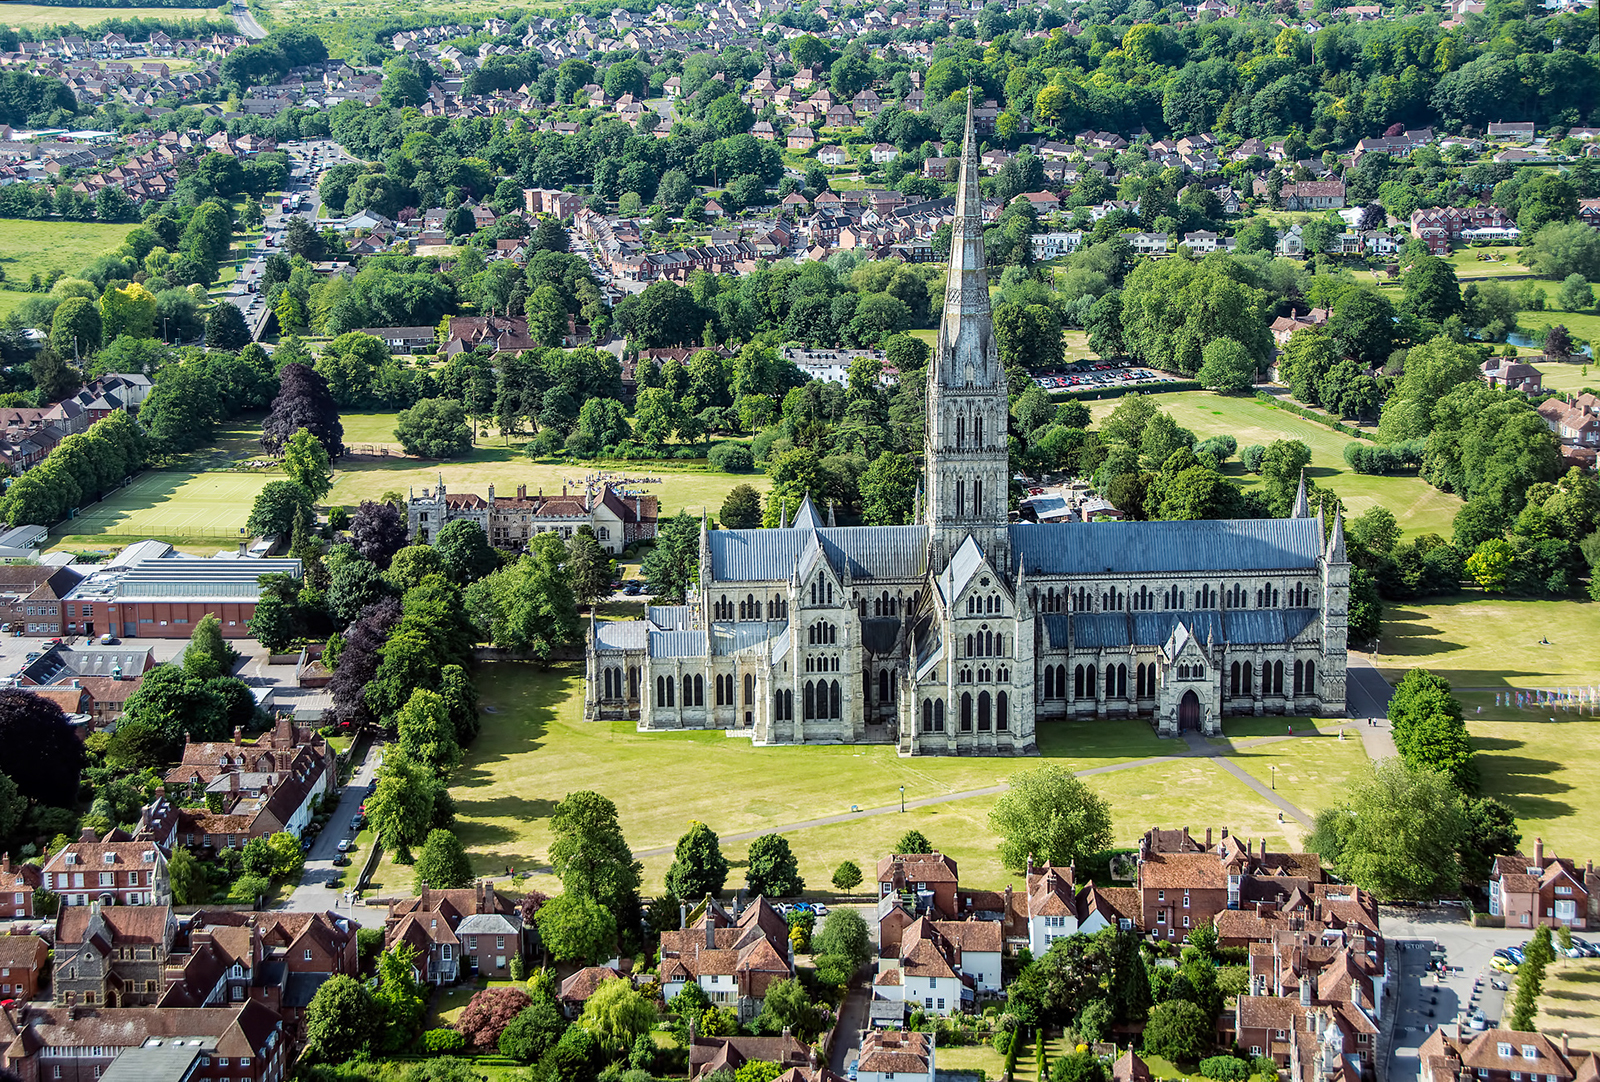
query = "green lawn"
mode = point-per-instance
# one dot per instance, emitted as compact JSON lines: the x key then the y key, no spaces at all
{"x":1570,"y":378}
{"x":1311,"y":770}
{"x":1585,"y":325}
{"x":168,"y":504}
{"x":1570,"y":1002}
{"x":28,"y":247}
{"x":1544,"y":771}
{"x":1468,"y":263}
{"x":33,"y":16}
{"x":1418,"y":506}
{"x":1492,"y":642}
{"x":534,"y":749}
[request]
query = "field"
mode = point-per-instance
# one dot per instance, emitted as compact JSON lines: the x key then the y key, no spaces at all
{"x":33,"y":16}
{"x":167,"y":504}
{"x":1419,"y":507}
{"x":1490,"y":643}
{"x":39,"y":247}
{"x":1570,"y":1003}
{"x":535,"y":748}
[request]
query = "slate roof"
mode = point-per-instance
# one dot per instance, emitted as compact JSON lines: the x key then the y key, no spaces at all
{"x":868,"y":552}
{"x":1091,"y":630}
{"x":677,"y":644}
{"x":1096,"y":548}
{"x":621,"y":635}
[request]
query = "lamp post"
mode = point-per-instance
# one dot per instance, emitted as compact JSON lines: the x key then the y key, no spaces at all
{"x":1274,"y":776}
{"x":902,"y":800}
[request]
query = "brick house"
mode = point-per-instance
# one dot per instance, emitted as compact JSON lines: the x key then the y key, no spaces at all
{"x":708,"y":1055}
{"x":439,"y":925}
{"x":941,"y":966}
{"x":734,"y":956}
{"x":576,"y":989}
{"x":1312,"y":195}
{"x":899,"y":1056}
{"x":17,"y":884}
{"x":1512,"y":375}
{"x":1546,"y":890}
{"x":22,"y":960}
{"x":78,"y":1044}
{"x":252,"y":789}
{"x":116,"y":870}
{"x":1440,"y":227}
{"x":30,"y":596}
{"x":1502,"y":1055}
{"x":1183,"y":885}
{"x":113,"y":956}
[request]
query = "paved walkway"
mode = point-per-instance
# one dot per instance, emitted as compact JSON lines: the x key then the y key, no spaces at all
{"x":1200,"y":746}
{"x":316,"y":892}
{"x":1368,"y":694}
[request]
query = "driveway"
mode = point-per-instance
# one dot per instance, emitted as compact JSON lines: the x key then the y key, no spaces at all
{"x":316,"y":892}
{"x":1423,"y":1000}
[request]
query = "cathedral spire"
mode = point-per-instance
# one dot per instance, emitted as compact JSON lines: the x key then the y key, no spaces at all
{"x":967,"y":288}
{"x":1302,"y":507}
{"x":1336,"y":553}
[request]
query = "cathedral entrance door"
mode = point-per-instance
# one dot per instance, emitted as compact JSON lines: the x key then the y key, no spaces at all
{"x":1188,"y":712}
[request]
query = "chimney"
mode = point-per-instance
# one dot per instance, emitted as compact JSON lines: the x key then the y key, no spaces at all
{"x":1030,"y":865}
{"x":1305,"y":989}
{"x":522,"y":492}
{"x":1224,"y":833}
{"x":1538,"y":853}
{"x":683,"y":915}
{"x":1565,"y":1051}
{"x":1263,"y":849}
{"x":1208,"y":837}
{"x":1355,"y":991}
{"x":244,"y":548}
{"x":238,"y":734}
{"x":711,"y":931}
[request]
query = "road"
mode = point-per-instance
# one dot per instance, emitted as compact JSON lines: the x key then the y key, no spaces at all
{"x":315,"y":892}
{"x":855,"y":1010}
{"x":1467,"y":987}
{"x":246,"y":23}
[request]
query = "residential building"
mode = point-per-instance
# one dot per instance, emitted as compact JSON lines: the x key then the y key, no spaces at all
{"x":23,"y":959}
{"x":941,"y":966}
{"x":896,"y":1056}
{"x":252,"y":789}
{"x":117,"y":870}
{"x":1547,"y":889}
{"x":1050,"y":245}
{"x":1510,"y":374}
{"x":1511,"y":131}
{"x":618,"y":519}
{"x":1184,"y":885}
{"x":733,"y":955}
{"x":404,"y":339}
{"x":79,"y":1043}
{"x":1575,"y":420}
{"x":576,"y":989}
{"x":30,"y":596}
{"x":1283,"y":327}
{"x":708,"y":1055}
{"x":1439,"y":227}
{"x":112,"y":955}
{"x":1502,"y":1055}
{"x":1312,"y":195}
{"x":432,"y":924}
{"x":17,"y":884}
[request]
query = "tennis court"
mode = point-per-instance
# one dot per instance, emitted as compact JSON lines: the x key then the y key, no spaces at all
{"x":172,"y":504}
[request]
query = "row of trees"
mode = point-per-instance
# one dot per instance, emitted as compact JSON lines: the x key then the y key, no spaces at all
{"x":78,"y":470}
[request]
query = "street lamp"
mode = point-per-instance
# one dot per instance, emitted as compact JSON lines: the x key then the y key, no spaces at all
{"x":902,"y":800}
{"x":1274,"y":776}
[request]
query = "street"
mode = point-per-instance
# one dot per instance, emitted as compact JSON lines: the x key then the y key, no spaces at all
{"x":1465,"y":989}
{"x":315,"y":892}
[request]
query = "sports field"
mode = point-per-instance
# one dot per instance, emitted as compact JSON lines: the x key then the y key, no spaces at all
{"x":1417,"y":506}
{"x":168,"y":504}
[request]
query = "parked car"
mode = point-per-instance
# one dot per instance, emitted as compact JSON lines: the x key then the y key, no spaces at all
{"x":107,"y":639}
{"x":357,"y":822}
{"x":344,"y":845}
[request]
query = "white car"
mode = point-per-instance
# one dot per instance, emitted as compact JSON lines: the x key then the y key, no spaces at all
{"x":344,"y":845}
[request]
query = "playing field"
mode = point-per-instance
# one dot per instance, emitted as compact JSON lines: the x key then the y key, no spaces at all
{"x":32,"y":16}
{"x":28,"y":248}
{"x":1417,"y":506}
{"x":169,"y":504}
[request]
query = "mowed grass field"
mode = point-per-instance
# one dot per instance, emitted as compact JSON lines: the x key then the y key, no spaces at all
{"x":32,"y":16}
{"x":166,"y":503}
{"x":1417,"y":506}
{"x":1570,"y":1003}
{"x":40,"y":247}
{"x":535,"y":748}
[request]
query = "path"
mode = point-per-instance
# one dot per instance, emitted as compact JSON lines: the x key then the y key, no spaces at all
{"x":1202,"y":749}
{"x":1367,"y":694}
{"x":316,"y":893}
{"x":246,"y":22}
{"x":1198,"y":745}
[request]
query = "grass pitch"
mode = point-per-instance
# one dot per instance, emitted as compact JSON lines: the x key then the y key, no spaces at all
{"x":28,"y":247}
{"x":165,"y":504}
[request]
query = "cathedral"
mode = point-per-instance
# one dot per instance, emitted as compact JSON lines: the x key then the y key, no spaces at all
{"x":961,"y":633}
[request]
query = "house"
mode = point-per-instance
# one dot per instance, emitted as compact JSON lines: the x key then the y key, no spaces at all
{"x":115,"y":870}
{"x":1130,"y":1068}
{"x":252,"y":790}
{"x":1149,"y":243}
{"x":1042,"y":202}
{"x":1511,"y":131}
{"x":733,"y":955}
{"x":801,"y":138}
{"x":942,"y":966}
{"x":576,"y":989}
{"x":30,"y":596}
{"x":432,"y":924}
{"x":884,"y":152}
{"x":1283,"y":327}
{"x":708,"y":1055}
{"x":509,"y":522}
{"x":1050,"y":245}
{"x":896,"y":1056}
{"x":1512,"y":375}
{"x":1204,"y":242}
{"x":278,"y":959}
{"x":112,"y":955}
{"x":1575,"y":421}
{"x":404,"y":339}
{"x":1501,"y":1055}
{"x":1546,"y":890}
{"x":1439,"y":227}
{"x":17,"y":884}
{"x":23,"y":959}
{"x":83,"y":1042}
{"x":832,"y":155}
{"x":1312,"y":195}
{"x":1183,"y":885}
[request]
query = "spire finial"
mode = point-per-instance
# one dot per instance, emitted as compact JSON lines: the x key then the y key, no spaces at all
{"x":1302,"y":508}
{"x":1336,"y":554}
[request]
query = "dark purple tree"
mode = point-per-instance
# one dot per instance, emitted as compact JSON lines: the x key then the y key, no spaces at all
{"x":1557,"y":342}
{"x":378,"y":531}
{"x":38,"y":749}
{"x":358,"y":662}
{"x":303,"y":402}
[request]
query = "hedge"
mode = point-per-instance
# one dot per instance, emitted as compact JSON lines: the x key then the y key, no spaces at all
{"x":1312,"y":415}
{"x":1095,"y":393}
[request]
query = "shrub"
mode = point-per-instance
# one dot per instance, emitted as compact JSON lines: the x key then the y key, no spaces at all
{"x":489,"y":1013}
{"x":442,"y":1041}
{"x":1251,"y":456}
{"x":1225,"y":1068}
{"x":732,"y":458}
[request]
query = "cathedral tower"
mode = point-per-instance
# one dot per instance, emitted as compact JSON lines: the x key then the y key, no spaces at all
{"x":965,"y":453}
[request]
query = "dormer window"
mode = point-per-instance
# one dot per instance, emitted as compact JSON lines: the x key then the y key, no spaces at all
{"x":109,"y":858}
{"x":71,"y":858}
{"x":1503,"y":1049}
{"x":149,"y":856}
{"x":1530,"y":1052}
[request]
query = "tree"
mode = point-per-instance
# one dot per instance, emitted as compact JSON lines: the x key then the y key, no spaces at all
{"x":615,"y":1015}
{"x":888,"y":490}
{"x":741,"y":510}
{"x":38,"y":749}
{"x":1396,"y":833}
{"x":1431,"y":289}
{"x":1561,"y":249}
{"x":489,"y":1013}
{"x":52,"y":375}
{"x":1362,"y":325}
{"x":1226,"y":366}
{"x":130,"y":310}
{"x":303,"y":401}
{"x":844,"y":935}
{"x":847,"y":876}
{"x":434,"y":428}
{"x":589,"y":853}
{"x":588,"y":567}
{"x":401,"y":810}
{"x":341,"y":1020}
{"x":188,"y":878}
{"x":576,"y":928}
{"x":1557,"y":342}
{"x":1490,"y":830}
{"x":913,"y":841}
{"x":673,"y":564}
{"x":75,"y":329}
{"x":772,"y":869}
{"x":1575,"y":294}
{"x":1052,"y":816}
{"x":528,"y":605}
{"x":305,"y":460}
{"x":698,"y":866}
{"x":1178,"y":1030}
{"x":276,"y":508}
{"x":378,"y":531}
{"x":207,"y":655}
{"x":225,"y":327}
{"x":464,"y":551}
{"x":1490,"y":565}
{"x":1078,"y":1067}
{"x":426,"y":732}
{"x":535,"y":1031}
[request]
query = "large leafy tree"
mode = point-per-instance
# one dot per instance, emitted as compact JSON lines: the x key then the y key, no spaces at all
{"x":1396,"y":833}
{"x":1050,"y":815}
{"x":464,"y":552}
{"x":305,"y":460}
{"x":589,"y":853}
{"x":38,"y":749}
{"x":341,"y":1020}
{"x":888,"y":490}
{"x":673,"y":564}
{"x":576,"y":928}
{"x":434,"y":428}
{"x":698,"y":866}
{"x":528,"y":605}
{"x":773,"y":871}
{"x":443,"y":862}
{"x":303,"y":401}
{"x":588,"y":567}
{"x":378,"y":531}
{"x":277,"y":506}
{"x":401,"y":811}
{"x":616,"y":1015}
